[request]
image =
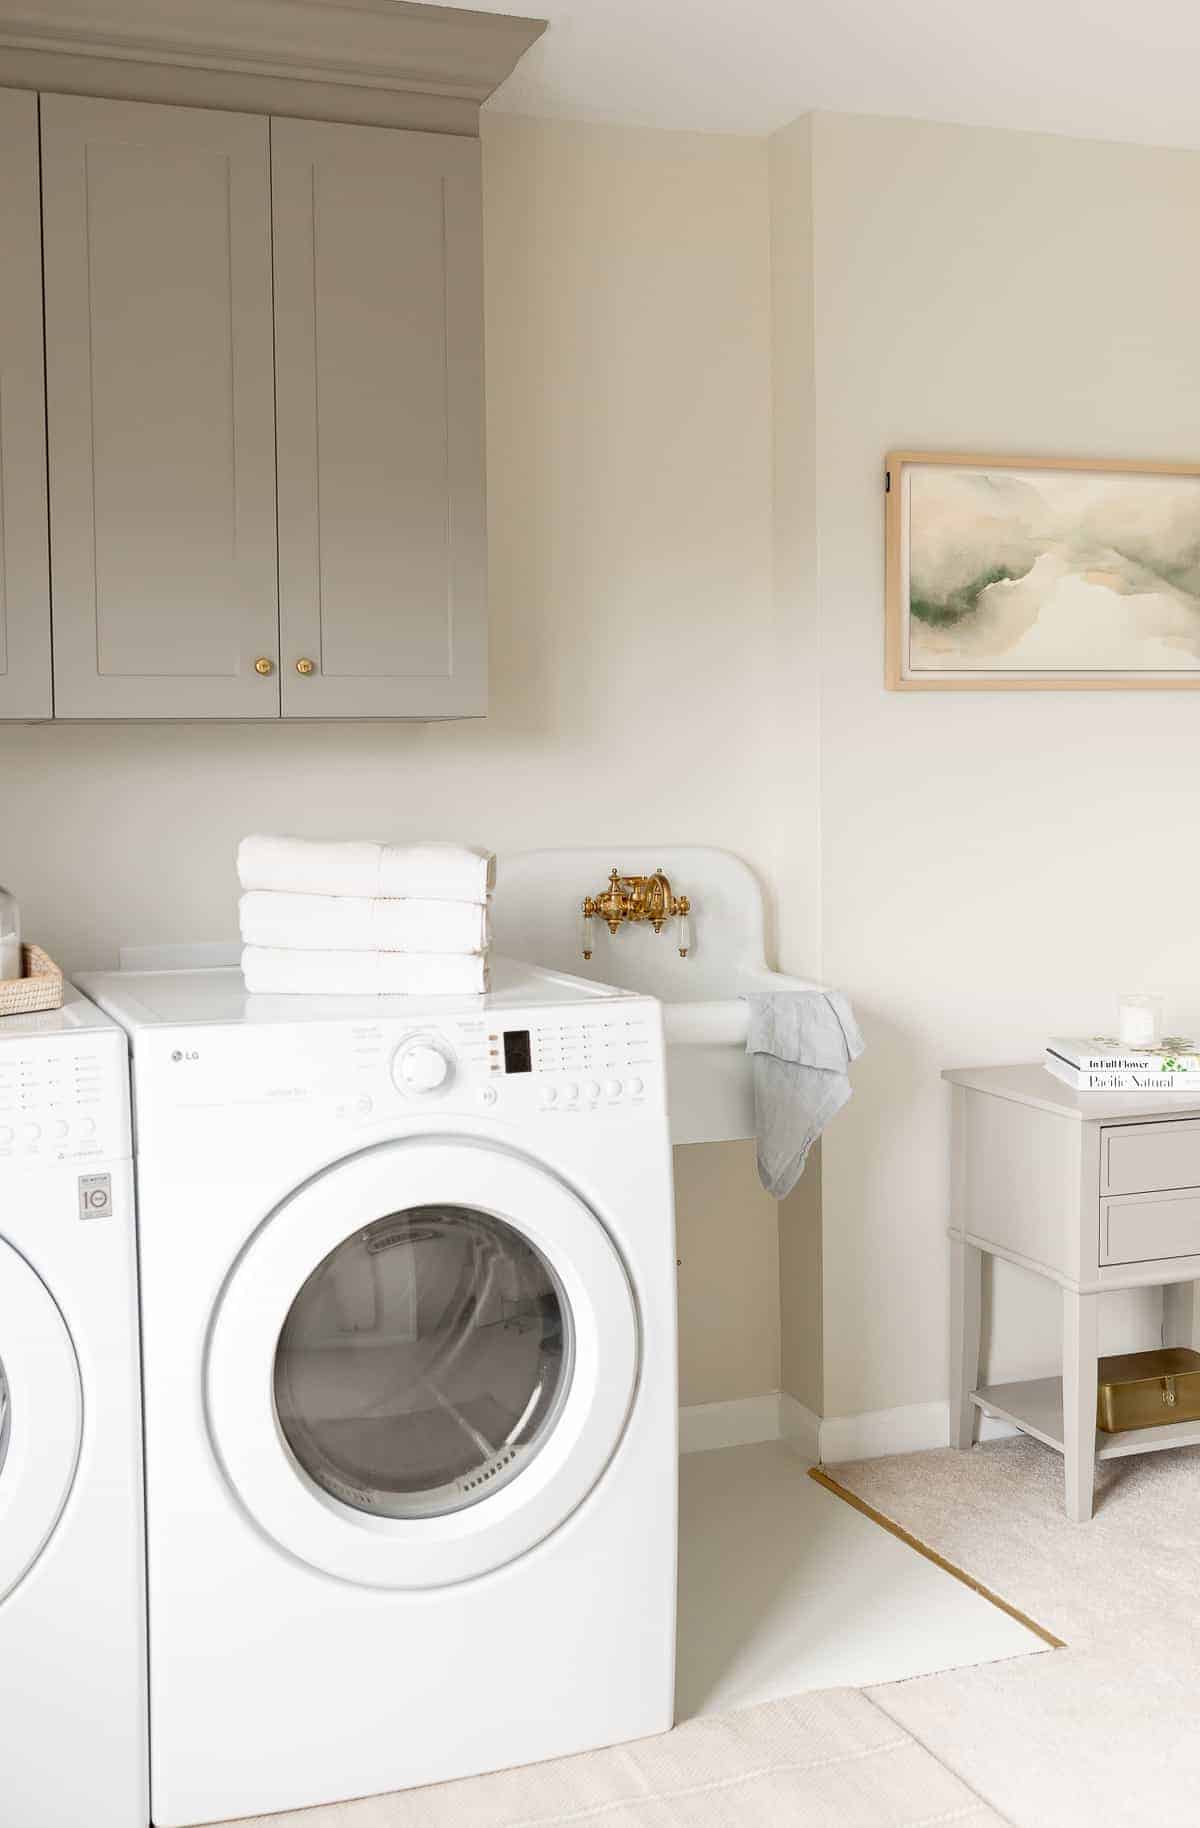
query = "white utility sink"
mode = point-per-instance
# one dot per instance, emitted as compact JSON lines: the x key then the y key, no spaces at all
{"x":536,"y":916}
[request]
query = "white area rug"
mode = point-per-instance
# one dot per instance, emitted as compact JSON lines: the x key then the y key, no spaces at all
{"x":1104,"y":1733}
{"x":822,"y":1760}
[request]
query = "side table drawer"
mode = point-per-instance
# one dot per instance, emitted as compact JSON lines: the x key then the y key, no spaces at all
{"x":1150,"y":1157}
{"x":1149,"y":1226}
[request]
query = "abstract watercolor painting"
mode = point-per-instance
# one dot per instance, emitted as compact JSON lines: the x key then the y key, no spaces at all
{"x":1019,"y":572}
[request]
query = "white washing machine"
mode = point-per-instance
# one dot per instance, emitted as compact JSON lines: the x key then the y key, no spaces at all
{"x":408,"y":1281}
{"x":72,"y":1586}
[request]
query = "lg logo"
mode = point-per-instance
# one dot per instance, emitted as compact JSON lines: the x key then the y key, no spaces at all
{"x":179,"y":1054}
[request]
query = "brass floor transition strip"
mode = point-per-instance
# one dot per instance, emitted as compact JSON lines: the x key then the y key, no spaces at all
{"x":939,"y":1561}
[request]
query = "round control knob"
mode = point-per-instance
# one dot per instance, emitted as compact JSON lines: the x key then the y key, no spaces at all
{"x":613,"y":1087}
{"x":420,"y":1067}
{"x":488,"y":1095}
{"x":62,"y":1130}
{"x":549,"y":1095}
{"x":592,"y":1089}
{"x":31,"y":1131}
{"x":570,"y":1093}
{"x":87,"y":1126}
{"x":636,"y":1086}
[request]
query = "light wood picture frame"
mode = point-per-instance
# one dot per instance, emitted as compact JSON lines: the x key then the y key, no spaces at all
{"x":1041,"y":573}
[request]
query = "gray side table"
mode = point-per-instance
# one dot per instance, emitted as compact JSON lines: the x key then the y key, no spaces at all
{"x":1093,"y":1191}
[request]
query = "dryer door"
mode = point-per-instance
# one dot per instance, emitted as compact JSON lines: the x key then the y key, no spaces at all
{"x":41,"y":1416}
{"x":422,"y":1363}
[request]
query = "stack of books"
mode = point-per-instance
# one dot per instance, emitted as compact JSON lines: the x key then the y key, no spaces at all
{"x":1103,"y":1065}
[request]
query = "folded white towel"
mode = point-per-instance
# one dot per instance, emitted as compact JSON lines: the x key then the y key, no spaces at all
{"x":312,"y":866}
{"x":351,"y":923}
{"x":276,"y":971}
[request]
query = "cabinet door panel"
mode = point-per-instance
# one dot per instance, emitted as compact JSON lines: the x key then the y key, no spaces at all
{"x":158,"y":333}
{"x":24,"y":557}
{"x":379,"y":385}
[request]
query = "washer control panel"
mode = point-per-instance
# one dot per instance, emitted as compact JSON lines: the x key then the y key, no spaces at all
{"x":64,"y":1100}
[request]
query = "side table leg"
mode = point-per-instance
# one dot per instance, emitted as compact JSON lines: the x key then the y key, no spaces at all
{"x":966,"y":1294}
{"x":1079,"y":1360}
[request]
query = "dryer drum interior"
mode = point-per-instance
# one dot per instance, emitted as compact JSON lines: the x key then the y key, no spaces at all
{"x":424,"y":1362}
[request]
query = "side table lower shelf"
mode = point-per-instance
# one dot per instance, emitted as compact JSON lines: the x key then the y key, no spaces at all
{"x":1036,"y":1408}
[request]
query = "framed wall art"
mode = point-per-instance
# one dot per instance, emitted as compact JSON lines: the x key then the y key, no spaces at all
{"x":1041,"y":573}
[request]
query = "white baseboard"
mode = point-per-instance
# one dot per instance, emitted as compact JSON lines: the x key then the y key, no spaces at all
{"x":876,"y":1432}
{"x":908,"y":1430}
{"x":800,"y":1428}
{"x":991,"y":1428}
{"x":776,"y":1416}
{"x":732,"y":1424}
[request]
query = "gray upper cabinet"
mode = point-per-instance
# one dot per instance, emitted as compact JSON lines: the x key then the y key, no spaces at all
{"x":379,"y":400}
{"x":156,"y":225}
{"x":216,"y":287}
{"x":24,"y":560}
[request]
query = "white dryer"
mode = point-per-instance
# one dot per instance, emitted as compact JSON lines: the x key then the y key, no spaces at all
{"x":408,"y":1279}
{"x":72,"y":1587}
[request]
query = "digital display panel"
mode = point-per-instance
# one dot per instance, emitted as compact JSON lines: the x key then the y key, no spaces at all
{"x":518,"y":1057}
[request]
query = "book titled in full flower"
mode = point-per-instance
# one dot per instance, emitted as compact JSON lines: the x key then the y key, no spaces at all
{"x":1103,"y":1065}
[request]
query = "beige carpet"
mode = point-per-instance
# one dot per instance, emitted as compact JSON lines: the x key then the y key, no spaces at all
{"x":1103,"y":1734}
{"x":824,"y":1760}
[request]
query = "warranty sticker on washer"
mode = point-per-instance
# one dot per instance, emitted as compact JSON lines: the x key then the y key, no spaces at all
{"x":95,"y":1196}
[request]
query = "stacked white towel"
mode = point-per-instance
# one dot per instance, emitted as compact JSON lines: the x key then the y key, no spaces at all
{"x":364,"y":919}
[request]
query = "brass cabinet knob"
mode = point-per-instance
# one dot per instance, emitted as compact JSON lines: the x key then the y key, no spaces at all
{"x":306,"y":667}
{"x":263,"y":665}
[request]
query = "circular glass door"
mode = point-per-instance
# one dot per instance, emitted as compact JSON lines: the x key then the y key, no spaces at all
{"x":5,"y":1411}
{"x":41,"y":1416}
{"x":424,"y":1362}
{"x":421,"y":1363}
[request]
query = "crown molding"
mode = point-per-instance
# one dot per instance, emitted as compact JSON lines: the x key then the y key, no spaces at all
{"x":388,"y":45}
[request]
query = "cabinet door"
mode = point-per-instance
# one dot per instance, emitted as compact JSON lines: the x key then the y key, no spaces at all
{"x":24,"y":559}
{"x":161,"y":424}
{"x":379,"y":397}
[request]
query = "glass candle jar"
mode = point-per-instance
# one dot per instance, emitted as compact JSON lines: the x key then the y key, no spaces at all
{"x":10,"y":937}
{"x":1140,"y":1022}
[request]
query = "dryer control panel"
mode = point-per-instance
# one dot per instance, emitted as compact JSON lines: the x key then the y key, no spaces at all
{"x":586,"y":1062}
{"x":64,"y":1099}
{"x":577,"y":1059}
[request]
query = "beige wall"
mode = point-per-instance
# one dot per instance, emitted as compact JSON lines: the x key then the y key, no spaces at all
{"x":629,"y":463}
{"x":994,"y":867}
{"x":801,"y":1305}
{"x":728,"y":1275}
{"x":797,"y":701}
{"x":628,"y":350}
{"x":699,"y":349}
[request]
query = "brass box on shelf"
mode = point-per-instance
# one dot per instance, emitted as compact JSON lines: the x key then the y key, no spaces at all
{"x":1148,"y":1389}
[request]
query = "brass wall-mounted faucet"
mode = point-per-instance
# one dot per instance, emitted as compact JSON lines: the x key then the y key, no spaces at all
{"x":630,"y":898}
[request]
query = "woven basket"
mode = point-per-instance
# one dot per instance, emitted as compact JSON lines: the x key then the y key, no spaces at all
{"x":40,"y":988}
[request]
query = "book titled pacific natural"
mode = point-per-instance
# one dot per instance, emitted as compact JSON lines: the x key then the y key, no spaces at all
{"x":1101,"y":1064}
